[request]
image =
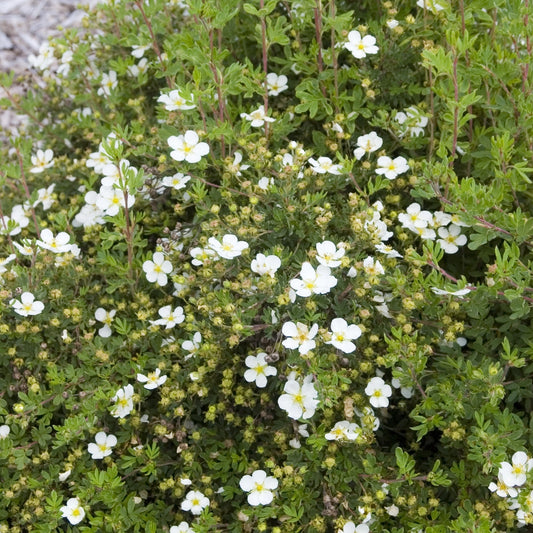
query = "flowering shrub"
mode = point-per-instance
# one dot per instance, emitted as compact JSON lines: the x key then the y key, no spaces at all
{"x":267,"y":266}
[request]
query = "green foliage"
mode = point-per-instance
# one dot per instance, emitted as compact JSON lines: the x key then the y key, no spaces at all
{"x":134,"y":301}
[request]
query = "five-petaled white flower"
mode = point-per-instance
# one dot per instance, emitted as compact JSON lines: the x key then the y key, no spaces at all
{"x":415,"y":217}
{"x":73,"y":511}
{"x":515,"y":474}
{"x":175,"y":101}
{"x":300,"y":399}
{"x":123,"y":402}
{"x":229,"y":248}
{"x":192,"y":346}
{"x":157,"y":269}
{"x":451,"y":238}
{"x":169,"y":318}
{"x":328,"y":254}
{"x":259,"y":487}
{"x":367,"y":143}
{"x":27,"y":306}
{"x":344,"y":430}
{"x":195,"y":502}
{"x":342,"y":334}
{"x":501,"y":489}
{"x":177,"y":181}
{"x":361,"y":46}
{"x":350,"y":527}
{"x":152,"y":380}
{"x":41,"y":160}
{"x":313,"y":282}
{"x":373,"y":267}
{"x":199,"y":255}
{"x":324,"y":165}
{"x":391,"y":168}
{"x":379,"y":392}
{"x":258,"y":369}
{"x":187,"y":147}
{"x":103,"y":445}
{"x":265,"y":265}
{"x":108,"y":83}
{"x":299,"y":336}
{"x":58,"y":244}
{"x":106,"y":317}
{"x":276,"y":84}
{"x":258,"y":117}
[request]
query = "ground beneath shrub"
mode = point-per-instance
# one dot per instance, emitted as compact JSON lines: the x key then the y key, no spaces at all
{"x":24,"y":25}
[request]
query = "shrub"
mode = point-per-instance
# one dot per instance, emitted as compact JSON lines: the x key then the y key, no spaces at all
{"x":266,"y":266}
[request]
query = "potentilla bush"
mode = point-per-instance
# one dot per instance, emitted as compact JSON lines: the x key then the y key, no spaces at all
{"x":267,"y":266}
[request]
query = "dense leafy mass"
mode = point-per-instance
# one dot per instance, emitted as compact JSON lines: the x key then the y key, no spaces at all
{"x":267,"y":266}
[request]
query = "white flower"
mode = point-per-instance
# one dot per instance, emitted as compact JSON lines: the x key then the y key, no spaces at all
{"x":58,"y":244}
{"x":414,"y":217}
{"x":459,"y":293}
{"x":236,"y":167}
{"x":391,"y":168}
{"x":187,"y":147}
{"x":276,"y":83}
{"x":192,"y":346}
{"x":299,"y":336}
{"x":45,"y":57}
{"x":412,"y":121}
{"x":299,"y":400}
{"x":342,"y":334}
{"x":123,"y":402}
{"x":106,"y":317}
{"x":27,"y":306}
{"x":63,"y":476}
{"x":157,"y":269}
{"x":152,"y":380}
{"x":313,"y":282}
{"x":229,"y":248}
{"x":451,"y":238}
{"x":258,"y":117}
{"x":431,"y":5}
{"x":195,"y":502}
{"x":45,"y":197}
{"x":258,"y":370}
{"x":324,"y":165}
{"x":379,"y":392}
{"x":110,"y":200}
{"x":361,"y":46}
{"x":4,"y":431}
{"x":73,"y":511}
{"x":42,"y":160}
{"x":264,"y":183}
{"x":183,"y":527}
{"x":177,"y":181}
{"x":139,"y":68}
{"x":344,"y":430}
{"x":350,"y":527}
{"x":515,"y":474}
{"x":108,"y":83}
{"x":103,"y":445}
{"x":174,"y":101}
{"x":373,"y":267}
{"x":392,"y":23}
{"x":169,"y":318}
{"x":387,"y":250}
{"x":328,"y":254}
{"x":265,"y":265}
{"x":367,"y":143}
{"x":138,"y":50}
{"x":259,"y":487}
{"x":501,"y":489}
{"x":200,"y":255}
